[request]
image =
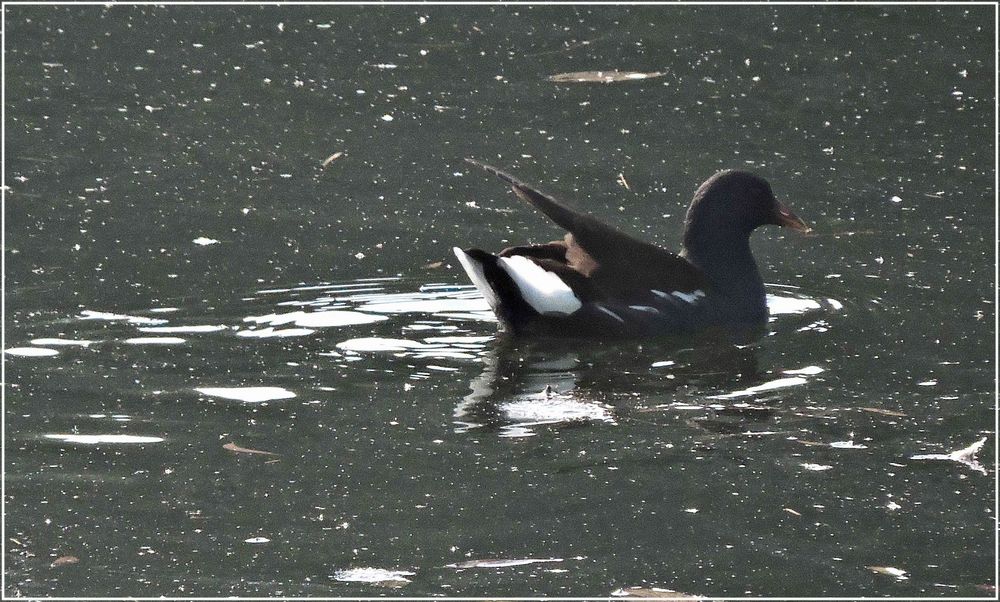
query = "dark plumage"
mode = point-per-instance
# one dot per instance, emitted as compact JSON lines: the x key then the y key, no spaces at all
{"x":598,"y":281}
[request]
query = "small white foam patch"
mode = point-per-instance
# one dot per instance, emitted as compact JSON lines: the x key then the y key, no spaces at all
{"x":543,"y":290}
{"x":184,"y":329}
{"x":317,"y":319}
{"x":807,"y":371}
{"x":373,"y":575}
{"x":155,"y":341}
{"x":64,"y":342}
{"x":474,"y":269}
{"x":271,"y":332}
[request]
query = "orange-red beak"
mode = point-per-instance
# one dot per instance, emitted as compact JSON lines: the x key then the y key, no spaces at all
{"x":786,"y":218}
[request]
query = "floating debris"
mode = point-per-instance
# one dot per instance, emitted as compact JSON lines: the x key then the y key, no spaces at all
{"x":256,"y":540}
{"x":810,"y":443}
{"x":332,"y":158}
{"x":792,"y":512}
{"x":64,"y":561}
{"x":891,"y":571}
{"x":602,"y":77}
{"x":496,"y":563}
{"x":884,"y":412}
{"x":204,"y":242}
{"x":849,"y":444}
{"x":654,"y":592}
{"x":98,"y":439}
{"x":621,"y":180}
{"x":245,"y":450}
{"x":965,"y":456}
{"x":249,"y":394}
{"x":433,"y":265}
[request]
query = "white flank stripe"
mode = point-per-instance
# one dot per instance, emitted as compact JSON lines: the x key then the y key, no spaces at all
{"x":475,"y":271}
{"x":687,"y":297}
{"x":610,"y":313}
{"x":544,"y":291}
{"x":645,"y":308}
{"x":691,"y":297}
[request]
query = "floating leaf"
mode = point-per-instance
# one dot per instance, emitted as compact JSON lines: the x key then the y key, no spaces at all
{"x":64,"y":561}
{"x":623,"y":181}
{"x":810,"y":443}
{"x":891,"y":571}
{"x":965,"y":456}
{"x":884,"y":412}
{"x":495,"y":563}
{"x":433,"y":265}
{"x":654,"y":592}
{"x":333,"y":158}
{"x":602,"y":77}
{"x":243,"y":450}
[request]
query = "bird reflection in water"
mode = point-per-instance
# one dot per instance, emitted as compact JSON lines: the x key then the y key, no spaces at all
{"x":562,"y":383}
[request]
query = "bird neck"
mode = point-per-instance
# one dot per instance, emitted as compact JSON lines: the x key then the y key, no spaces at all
{"x":726,"y":260}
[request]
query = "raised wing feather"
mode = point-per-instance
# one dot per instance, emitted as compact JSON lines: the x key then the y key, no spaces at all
{"x":612,"y":259}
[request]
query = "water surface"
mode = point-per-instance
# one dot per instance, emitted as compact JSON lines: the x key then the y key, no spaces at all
{"x":234,"y":370}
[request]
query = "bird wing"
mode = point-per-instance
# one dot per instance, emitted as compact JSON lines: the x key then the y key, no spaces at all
{"x":612,"y":259}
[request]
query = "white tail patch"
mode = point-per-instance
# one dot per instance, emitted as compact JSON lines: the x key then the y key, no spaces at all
{"x":475,"y":271}
{"x":543,"y":290}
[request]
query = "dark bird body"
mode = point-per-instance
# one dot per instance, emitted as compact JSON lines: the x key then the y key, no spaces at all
{"x":599,"y":281}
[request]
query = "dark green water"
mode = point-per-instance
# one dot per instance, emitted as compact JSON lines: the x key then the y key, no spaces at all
{"x":409,"y":436}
